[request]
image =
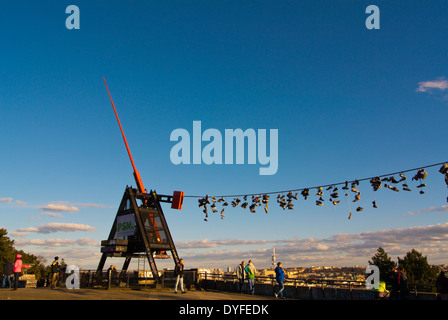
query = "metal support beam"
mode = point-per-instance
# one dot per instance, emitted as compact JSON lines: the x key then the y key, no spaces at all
{"x":151,"y":235}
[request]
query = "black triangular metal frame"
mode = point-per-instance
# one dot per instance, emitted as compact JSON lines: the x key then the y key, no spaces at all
{"x":151,"y":238}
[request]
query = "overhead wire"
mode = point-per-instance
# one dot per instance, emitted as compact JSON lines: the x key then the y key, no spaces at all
{"x":320,"y":186}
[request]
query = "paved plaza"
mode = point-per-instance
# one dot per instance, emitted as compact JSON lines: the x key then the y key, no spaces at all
{"x":121,"y":294}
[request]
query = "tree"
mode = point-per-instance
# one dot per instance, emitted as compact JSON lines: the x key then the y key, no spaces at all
{"x":7,"y":251}
{"x":383,"y":262}
{"x":6,"y":248}
{"x":417,"y":268}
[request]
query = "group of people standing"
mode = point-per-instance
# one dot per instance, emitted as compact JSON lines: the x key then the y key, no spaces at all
{"x":247,"y":272}
{"x":244,"y":272}
{"x":10,"y":269}
{"x":13,"y":271}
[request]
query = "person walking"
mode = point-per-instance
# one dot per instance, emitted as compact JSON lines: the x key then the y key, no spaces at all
{"x":54,"y":272}
{"x":442,"y":286}
{"x":250,"y":273}
{"x":280,"y":277}
{"x":7,"y":272}
{"x":240,"y":274}
{"x":111,"y":273}
{"x":399,"y":283}
{"x":17,"y":270}
{"x":179,"y":273}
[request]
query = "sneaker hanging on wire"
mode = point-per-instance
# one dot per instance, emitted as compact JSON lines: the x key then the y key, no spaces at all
{"x":421,"y":175}
{"x":444,"y":168}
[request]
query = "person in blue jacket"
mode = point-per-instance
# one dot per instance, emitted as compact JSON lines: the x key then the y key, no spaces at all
{"x":280,"y":277}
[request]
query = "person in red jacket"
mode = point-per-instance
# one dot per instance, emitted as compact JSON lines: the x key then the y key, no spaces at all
{"x":18,"y":265}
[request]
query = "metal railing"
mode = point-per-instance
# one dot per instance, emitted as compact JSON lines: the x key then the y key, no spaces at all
{"x":195,"y":278}
{"x":131,"y":279}
{"x":413,"y":288}
{"x":339,"y":283}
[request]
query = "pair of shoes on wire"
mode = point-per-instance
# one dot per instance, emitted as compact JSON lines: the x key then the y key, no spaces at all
{"x":421,"y":175}
{"x":305,"y":193}
{"x":376,"y":183}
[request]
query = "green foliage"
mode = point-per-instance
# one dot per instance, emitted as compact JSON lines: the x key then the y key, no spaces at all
{"x":383,"y":262}
{"x":417,"y":268}
{"x":7,"y":251}
{"x":414,"y":264}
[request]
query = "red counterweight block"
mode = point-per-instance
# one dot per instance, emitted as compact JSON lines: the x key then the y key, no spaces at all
{"x":178,"y":199}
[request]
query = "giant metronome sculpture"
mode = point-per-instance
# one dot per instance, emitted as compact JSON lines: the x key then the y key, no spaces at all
{"x":140,"y":228}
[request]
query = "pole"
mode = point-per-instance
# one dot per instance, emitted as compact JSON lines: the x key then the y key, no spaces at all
{"x":137,"y":177}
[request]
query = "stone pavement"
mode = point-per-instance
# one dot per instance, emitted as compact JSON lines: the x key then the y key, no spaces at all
{"x":121,"y":294}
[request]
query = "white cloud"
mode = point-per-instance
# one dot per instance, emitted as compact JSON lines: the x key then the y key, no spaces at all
{"x":80,"y":252}
{"x":29,"y":229}
{"x":55,"y":227}
{"x":9,"y":200}
{"x":52,"y":214}
{"x":56,"y":242}
{"x":429,"y":86}
{"x":92,"y":205}
{"x":58,"y":208}
{"x":340,"y":249}
{"x":439,"y":210}
{"x":216,"y":243}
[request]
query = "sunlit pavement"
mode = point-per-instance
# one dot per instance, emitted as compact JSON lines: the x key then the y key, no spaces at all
{"x":121,"y":294}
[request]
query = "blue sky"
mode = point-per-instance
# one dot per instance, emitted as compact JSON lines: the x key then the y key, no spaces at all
{"x":348,"y":102}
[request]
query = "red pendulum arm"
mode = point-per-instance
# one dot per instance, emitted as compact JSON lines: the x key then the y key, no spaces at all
{"x":137,"y":178}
